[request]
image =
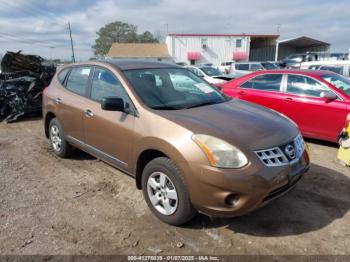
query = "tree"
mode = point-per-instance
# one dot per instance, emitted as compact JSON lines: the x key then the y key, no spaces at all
{"x":119,"y":32}
{"x":147,"y":37}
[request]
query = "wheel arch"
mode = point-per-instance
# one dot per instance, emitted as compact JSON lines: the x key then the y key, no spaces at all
{"x":146,"y":154}
{"x":48,"y":117}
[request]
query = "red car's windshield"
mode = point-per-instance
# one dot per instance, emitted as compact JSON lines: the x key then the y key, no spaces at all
{"x":340,"y":82}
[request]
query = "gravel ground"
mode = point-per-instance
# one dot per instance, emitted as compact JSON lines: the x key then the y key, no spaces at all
{"x":83,"y":206}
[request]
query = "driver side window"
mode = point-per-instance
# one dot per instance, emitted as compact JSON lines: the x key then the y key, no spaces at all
{"x":105,"y":84}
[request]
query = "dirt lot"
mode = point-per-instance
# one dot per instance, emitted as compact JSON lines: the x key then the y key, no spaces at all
{"x":83,"y":206}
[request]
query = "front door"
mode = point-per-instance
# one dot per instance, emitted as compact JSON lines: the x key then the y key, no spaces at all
{"x":109,"y":134}
{"x":316,"y":116}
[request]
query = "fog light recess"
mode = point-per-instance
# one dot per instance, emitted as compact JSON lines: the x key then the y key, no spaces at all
{"x":232,"y":200}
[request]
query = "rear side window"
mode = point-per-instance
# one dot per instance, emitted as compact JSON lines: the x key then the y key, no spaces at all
{"x":256,"y":67}
{"x":242,"y":67}
{"x":305,"y":86}
{"x":78,"y":80}
{"x":62,"y":75}
{"x":269,"y":82}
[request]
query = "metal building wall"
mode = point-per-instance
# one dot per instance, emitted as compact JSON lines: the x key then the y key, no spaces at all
{"x":219,"y":48}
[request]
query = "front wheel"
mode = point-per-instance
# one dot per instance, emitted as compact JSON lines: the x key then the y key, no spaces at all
{"x":165,"y":192}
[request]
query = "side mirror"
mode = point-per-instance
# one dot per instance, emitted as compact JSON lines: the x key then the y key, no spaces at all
{"x":113,"y":104}
{"x":328,"y":95}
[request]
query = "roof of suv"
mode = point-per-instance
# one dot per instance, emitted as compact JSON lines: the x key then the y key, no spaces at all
{"x":127,"y":64}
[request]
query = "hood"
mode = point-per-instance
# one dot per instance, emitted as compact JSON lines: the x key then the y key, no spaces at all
{"x":215,"y":79}
{"x":245,"y":125}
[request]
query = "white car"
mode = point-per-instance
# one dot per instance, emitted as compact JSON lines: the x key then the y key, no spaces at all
{"x":244,"y":68}
{"x":209,"y":74}
{"x":341,"y":67}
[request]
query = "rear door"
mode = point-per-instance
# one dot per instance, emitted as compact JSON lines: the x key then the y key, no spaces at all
{"x":264,"y":89}
{"x":109,"y":134}
{"x":70,"y":102}
{"x":315,"y":116}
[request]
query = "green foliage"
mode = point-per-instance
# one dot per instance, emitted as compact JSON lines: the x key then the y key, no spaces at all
{"x":119,"y":32}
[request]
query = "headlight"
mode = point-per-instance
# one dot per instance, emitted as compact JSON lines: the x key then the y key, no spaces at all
{"x":220,"y":153}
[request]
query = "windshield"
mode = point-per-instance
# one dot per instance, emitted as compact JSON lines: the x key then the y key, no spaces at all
{"x":340,"y":82}
{"x":269,"y":66}
{"x":210,"y":71}
{"x":172,"y":88}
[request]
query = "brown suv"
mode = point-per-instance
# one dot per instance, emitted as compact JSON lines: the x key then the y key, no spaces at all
{"x":189,"y":146}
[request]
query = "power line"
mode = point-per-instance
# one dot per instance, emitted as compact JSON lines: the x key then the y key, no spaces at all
{"x":29,"y":41}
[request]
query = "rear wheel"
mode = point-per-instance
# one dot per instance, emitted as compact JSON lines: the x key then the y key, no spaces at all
{"x":58,"y":143}
{"x":165,"y":192}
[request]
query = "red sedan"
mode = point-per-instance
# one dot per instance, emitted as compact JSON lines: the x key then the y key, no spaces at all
{"x":318,"y":101}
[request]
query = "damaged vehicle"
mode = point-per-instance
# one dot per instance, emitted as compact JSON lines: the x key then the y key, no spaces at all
{"x":189,"y":147}
{"x":22,"y":80}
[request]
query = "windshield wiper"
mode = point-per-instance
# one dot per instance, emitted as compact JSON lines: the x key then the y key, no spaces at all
{"x":201,"y":104}
{"x":164,"y":107}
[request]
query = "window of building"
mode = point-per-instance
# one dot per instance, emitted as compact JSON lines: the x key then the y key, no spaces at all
{"x":238,"y":43}
{"x":204,"y":42}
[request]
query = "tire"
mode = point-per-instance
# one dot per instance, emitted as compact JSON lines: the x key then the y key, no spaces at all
{"x":160,"y":196}
{"x":57,"y":141}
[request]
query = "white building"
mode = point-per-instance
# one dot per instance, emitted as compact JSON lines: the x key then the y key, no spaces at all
{"x":218,"y":48}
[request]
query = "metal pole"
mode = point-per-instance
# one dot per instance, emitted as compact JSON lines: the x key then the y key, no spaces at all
{"x":71,"y":42}
{"x":277,"y":51}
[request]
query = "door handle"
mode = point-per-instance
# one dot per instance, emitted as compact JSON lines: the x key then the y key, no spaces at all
{"x":58,"y":101}
{"x":88,"y":113}
{"x":241,"y":92}
{"x":288,"y":99}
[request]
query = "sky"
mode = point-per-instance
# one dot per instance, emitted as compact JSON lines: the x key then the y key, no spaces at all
{"x":40,"y":26}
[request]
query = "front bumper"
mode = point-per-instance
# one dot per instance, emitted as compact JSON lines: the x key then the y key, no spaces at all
{"x":250,"y":187}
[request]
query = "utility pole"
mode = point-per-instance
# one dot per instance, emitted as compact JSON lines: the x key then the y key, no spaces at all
{"x":71,"y":42}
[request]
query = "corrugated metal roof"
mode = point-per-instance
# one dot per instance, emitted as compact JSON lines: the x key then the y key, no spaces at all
{"x":303,"y":42}
{"x":138,"y":50}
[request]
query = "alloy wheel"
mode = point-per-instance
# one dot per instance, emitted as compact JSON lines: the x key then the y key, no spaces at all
{"x":162,"y":193}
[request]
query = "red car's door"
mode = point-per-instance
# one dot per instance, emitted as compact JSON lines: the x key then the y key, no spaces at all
{"x":264,"y":89}
{"x":316,"y":117}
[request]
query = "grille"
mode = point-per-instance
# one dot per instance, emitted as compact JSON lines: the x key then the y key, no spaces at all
{"x":278,"y":156}
{"x":272,"y":157}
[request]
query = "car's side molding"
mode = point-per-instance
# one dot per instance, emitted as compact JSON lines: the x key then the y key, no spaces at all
{"x":98,"y":153}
